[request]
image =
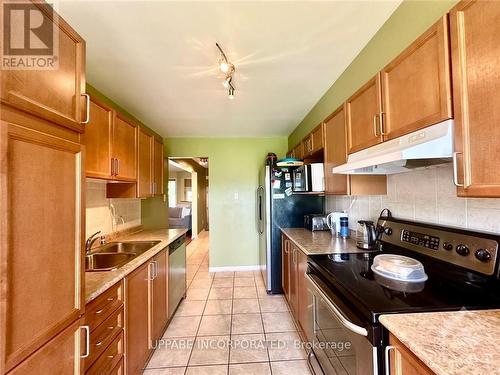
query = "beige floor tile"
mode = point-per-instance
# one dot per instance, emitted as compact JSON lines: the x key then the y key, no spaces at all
{"x":239,"y":274}
{"x":245,"y":292}
{"x":203,"y":276}
{"x":278,"y":322}
{"x":219,"y":275}
{"x":183,"y":326}
{"x":290,"y":368}
{"x":221,"y":293}
{"x":207,"y":370}
{"x":246,"y":323}
{"x":288,"y":348}
{"x":190,"y":308}
{"x":262,"y":292}
{"x":201,"y":284}
{"x":212,"y":325}
{"x":248,"y":348}
{"x":218,"y":307}
{"x":210,"y":350}
{"x":244,"y":281}
{"x":224,"y":282}
{"x":250,"y":369}
{"x":165,"y":371}
{"x":174,"y":352}
{"x":197,"y":294}
{"x":273,"y":305}
{"x":245,"y":306}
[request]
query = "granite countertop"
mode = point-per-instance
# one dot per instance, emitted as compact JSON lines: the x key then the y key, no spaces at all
{"x":460,"y":342}
{"x":320,"y":242}
{"x":98,"y":282}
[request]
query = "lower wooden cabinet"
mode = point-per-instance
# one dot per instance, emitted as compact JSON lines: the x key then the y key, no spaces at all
{"x":60,"y":356}
{"x":404,"y":362}
{"x":160,"y":294}
{"x":111,"y":356}
{"x":285,"y":266}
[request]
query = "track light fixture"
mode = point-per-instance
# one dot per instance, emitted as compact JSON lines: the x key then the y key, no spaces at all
{"x":228,"y":69}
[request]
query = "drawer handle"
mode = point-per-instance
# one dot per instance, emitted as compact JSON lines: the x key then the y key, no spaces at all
{"x":111,"y":328}
{"x":99,"y":343}
{"x":99,"y":311}
{"x":111,"y":356}
{"x":111,"y":299}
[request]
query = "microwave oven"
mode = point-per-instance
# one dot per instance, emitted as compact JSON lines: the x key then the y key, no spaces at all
{"x":309,"y":177}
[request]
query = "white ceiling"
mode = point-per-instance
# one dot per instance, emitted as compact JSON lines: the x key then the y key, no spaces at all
{"x":158,"y":58}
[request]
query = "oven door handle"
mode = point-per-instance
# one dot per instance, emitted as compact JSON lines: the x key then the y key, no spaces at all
{"x":345,"y":322}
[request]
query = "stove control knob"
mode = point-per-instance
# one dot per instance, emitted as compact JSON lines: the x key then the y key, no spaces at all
{"x":448,"y":246}
{"x":483,"y":255}
{"x":462,"y":250}
{"x":388,"y":230}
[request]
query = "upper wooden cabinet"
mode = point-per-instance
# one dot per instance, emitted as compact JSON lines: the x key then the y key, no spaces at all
{"x":363,"y":116}
{"x":53,"y":94}
{"x":144,"y":164}
{"x":298,"y":151}
{"x":41,"y":247}
{"x":317,"y":138}
{"x":307,"y":145}
{"x":416,"y":85}
{"x":98,"y":139}
{"x":475,"y":26}
{"x":335,"y":154}
{"x":158,"y":167}
{"x":124,"y":148}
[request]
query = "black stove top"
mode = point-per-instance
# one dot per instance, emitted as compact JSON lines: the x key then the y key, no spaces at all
{"x":448,"y":287}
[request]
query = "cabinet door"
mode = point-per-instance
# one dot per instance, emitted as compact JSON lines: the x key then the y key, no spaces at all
{"x":137,"y":324}
{"x":404,"y":362}
{"x":335,"y":153}
{"x":416,"y":85}
{"x":60,"y":356}
{"x":317,"y":138}
{"x":289,"y":154}
{"x":303,"y":296}
{"x":285,"y":266}
{"x":52,"y":94}
{"x":145,"y":164}
{"x":124,"y":149}
{"x":298,"y":151}
{"x":160,"y":292}
{"x":475,"y":50}
{"x":98,"y":141}
{"x":158,"y":167}
{"x":293,"y":300}
{"x":41,"y":234}
{"x":307,"y":145}
{"x":363,"y":116}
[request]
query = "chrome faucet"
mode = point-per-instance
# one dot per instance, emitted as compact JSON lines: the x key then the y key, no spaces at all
{"x":90,"y":241}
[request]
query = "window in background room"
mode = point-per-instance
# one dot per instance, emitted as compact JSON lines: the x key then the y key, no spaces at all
{"x":172,"y":192}
{"x":188,"y":192}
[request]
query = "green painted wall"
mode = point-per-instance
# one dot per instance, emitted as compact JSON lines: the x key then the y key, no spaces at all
{"x":234,"y":165}
{"x":408,"y":22}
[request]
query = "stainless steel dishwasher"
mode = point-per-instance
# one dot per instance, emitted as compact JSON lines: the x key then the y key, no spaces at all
{"x":176,"y":273}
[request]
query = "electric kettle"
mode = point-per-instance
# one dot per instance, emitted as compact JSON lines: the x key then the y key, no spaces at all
{"x":366,"y":235}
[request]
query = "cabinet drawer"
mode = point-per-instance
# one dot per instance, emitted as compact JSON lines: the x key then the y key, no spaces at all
{"x":109,"y":358}
{"x":99,"y":309}
{"x":103,"y":335}
{"x":119,"y":368}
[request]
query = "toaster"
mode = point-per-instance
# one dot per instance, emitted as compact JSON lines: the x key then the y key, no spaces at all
{"x":315,"y":222}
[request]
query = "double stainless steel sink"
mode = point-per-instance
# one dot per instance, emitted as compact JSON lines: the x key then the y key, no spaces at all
{"x":113,"y":255}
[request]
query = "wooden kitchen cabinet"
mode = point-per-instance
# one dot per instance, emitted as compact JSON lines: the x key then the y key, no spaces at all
{"x":416,"y":85}
{"x":60,"y":356}
{"x":285,"y":266}
{"x":404,"y":362}
{"x":160,"y":294}
{"x":293,"y":300}
{"x":363,"y":116}
{"x":304,"y":300}
{"x":98,"y":141}
{"x":335,"y":154}
{"x":55,"y":94}
{"x":124,"y":149}
{"x":298,"y":151}
{"x":144,"y":164}
{"x":158,"y":167}
{"x":317,"y":139}
{"x":474,"y":30}
{"x":307,"y":145}
{"x":41,"y":247}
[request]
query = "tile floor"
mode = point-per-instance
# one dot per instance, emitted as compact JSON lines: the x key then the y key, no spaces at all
{"x":227,"y":325}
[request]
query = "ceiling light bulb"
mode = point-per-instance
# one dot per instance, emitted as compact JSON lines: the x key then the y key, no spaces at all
{"x":231,"y":93}
{"x":224,"y":67}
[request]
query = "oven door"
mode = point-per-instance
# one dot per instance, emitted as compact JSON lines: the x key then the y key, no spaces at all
{"x":340,"y":345}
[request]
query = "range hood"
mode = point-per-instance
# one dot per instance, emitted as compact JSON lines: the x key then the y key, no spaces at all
{"x":423,"y":148}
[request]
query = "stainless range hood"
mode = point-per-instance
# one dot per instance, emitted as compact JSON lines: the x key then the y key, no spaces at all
{"x":423,"y":148}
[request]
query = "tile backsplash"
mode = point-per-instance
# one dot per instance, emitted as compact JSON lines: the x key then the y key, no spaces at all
{"x":109,"y":215}
{"x":425,"y":195}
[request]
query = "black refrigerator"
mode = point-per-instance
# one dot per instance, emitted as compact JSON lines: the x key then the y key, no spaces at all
{"x":278,"y":207}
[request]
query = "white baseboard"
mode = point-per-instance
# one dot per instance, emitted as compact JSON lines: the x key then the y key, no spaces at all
{"x":234,"y":268}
